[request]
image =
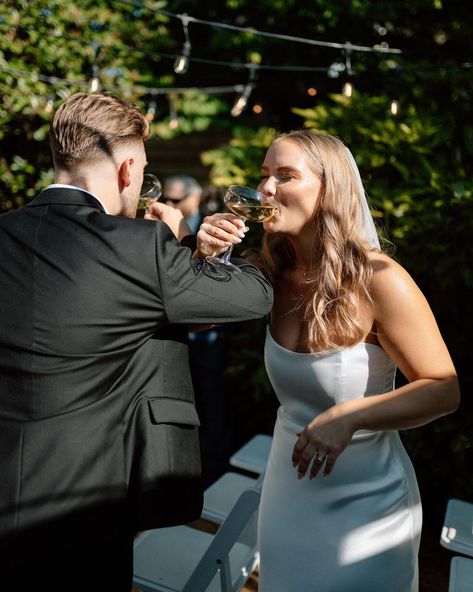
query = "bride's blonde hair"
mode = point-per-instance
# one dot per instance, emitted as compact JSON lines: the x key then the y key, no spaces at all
{"x":340,"y":253}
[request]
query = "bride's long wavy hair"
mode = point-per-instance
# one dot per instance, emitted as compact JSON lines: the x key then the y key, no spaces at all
{"x":343,"y":273}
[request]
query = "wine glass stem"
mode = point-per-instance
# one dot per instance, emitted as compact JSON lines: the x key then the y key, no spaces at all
{"x":226,"y":255}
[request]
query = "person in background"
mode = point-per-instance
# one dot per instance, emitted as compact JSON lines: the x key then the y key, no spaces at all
{"x":184,"y":193}
{"x":207,"y":349}
{"x":340,"y":507}
{"x":98,"y":429}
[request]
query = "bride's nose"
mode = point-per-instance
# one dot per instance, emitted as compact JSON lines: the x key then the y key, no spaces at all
{"x":267,"y":187}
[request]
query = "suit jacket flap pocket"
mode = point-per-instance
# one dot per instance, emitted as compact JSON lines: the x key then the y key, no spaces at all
{"x":173,"y":411}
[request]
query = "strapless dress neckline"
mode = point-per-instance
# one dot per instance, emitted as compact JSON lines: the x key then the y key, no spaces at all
{"x":326,"y":352}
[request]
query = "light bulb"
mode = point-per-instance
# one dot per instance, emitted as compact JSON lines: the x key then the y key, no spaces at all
{"x":394,"y":108}
{"x":181,"y":64}
{"x":347,"y":90}
{"x":239,"y":105}
{"x":94,"y":85}
{"x":49,"y":105}
{"x":151,"y":111}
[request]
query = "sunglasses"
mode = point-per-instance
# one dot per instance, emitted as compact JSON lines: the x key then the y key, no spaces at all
{"x":175,"y":200}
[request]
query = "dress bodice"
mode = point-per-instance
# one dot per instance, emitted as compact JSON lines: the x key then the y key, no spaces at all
{"x":308,"y":384}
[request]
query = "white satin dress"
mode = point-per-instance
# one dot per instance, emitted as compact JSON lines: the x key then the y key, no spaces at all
{"x":358,"y":530}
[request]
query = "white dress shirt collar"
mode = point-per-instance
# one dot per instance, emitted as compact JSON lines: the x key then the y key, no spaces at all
{"x":62,"y":186}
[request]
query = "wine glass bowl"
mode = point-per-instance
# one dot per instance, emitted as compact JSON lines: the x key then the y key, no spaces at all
{"x":150,"y":192}
{"x":250,"y":205}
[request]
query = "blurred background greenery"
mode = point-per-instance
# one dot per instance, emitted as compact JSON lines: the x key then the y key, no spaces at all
{"x":408,"y":122}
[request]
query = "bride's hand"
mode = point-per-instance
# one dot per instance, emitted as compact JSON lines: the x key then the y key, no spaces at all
{"x":218,"y":232}
{"x":322,"y":441}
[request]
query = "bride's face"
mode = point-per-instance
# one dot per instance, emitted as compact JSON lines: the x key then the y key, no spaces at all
{"x":291,"y":185}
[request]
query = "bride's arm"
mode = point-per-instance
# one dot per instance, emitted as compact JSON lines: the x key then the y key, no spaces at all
{"x":409,"y":334}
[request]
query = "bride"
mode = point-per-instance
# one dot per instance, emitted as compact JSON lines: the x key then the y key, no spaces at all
{"x":340,"y":507}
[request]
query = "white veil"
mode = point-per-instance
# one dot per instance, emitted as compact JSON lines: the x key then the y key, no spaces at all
{"x":369,"y":228}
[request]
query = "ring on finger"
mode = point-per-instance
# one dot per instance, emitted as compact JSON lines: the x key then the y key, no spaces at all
{"x":320,"y":457}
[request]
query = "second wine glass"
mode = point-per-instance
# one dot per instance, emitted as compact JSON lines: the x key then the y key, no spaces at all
{"x":250,"y":205}
{"x":150,"y":192}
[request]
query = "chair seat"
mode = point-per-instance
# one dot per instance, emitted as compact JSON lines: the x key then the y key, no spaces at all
{"x":185,"y":559}
{"x":221,"y":496}
{"x":253,"y":456}
{"x":461,"y":575}
{"x":457,"y":530}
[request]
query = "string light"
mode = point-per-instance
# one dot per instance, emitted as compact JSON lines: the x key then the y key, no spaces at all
{"x":241,"y":102}
{"x":95,"y":81}
{"x":173,"y":119}
{"x":312,"y":91}
{"x":181,"y":65}
{"x":257,"y":108}
{"x":94,"y":85}
{"x":150,"y":114}
{"x":49,"y":104}
{"x":256,"y":33}
{"x":394,"y":108}
{"x":347,"y":90}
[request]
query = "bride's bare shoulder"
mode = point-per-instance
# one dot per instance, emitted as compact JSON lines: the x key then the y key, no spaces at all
{"x":390,"y":279}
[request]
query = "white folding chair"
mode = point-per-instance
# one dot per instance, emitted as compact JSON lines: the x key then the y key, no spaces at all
{"x":461,"y":575}
{"x":253,"y":456}
{"x":184,"y":559}
{"x":457,"y":530}
{"x":221,"y":496}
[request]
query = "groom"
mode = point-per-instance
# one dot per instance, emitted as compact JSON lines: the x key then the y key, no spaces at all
{"x":98,"y":430}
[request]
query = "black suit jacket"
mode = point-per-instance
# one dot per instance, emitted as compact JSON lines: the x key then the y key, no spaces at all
{"x":94,"y":380}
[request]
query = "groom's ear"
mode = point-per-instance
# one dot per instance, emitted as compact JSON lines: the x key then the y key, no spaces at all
{"x":124,"y":173}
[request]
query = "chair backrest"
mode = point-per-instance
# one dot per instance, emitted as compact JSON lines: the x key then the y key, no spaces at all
{"x":216,"y":558}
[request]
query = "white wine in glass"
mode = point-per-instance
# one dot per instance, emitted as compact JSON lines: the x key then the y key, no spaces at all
{"x":150,"y":192}
{"x":250,"y":205}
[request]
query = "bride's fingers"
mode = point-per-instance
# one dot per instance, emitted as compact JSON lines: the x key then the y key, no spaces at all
{"x":302,"y":441}
{"x":215,"y":232}
{"x":303,"y":453}
{"x":229,"y":221}
{"x":320,"y":458}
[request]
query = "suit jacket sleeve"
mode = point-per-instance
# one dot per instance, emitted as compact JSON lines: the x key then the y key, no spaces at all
{"x":195,"y":292}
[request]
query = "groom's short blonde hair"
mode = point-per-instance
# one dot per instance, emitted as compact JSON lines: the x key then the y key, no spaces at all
{"x":89,"y":127}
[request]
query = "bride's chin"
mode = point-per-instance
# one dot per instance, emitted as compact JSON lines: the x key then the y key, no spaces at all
{"x":269,"y":227}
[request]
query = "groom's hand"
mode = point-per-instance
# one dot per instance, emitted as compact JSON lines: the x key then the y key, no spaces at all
{"x":170,"y":216}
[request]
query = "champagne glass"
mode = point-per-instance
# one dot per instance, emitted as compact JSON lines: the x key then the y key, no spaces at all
{"x":150,"y":192}
{"x":250,"y":205}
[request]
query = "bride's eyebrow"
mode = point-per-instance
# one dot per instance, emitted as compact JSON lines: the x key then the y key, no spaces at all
{"x":282,"y":169}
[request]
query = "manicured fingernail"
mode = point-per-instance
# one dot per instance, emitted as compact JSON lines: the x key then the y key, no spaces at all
{"x":300,"y":475}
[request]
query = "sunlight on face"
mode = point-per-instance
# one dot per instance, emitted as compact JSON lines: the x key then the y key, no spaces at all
{"x":289,"y":183}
